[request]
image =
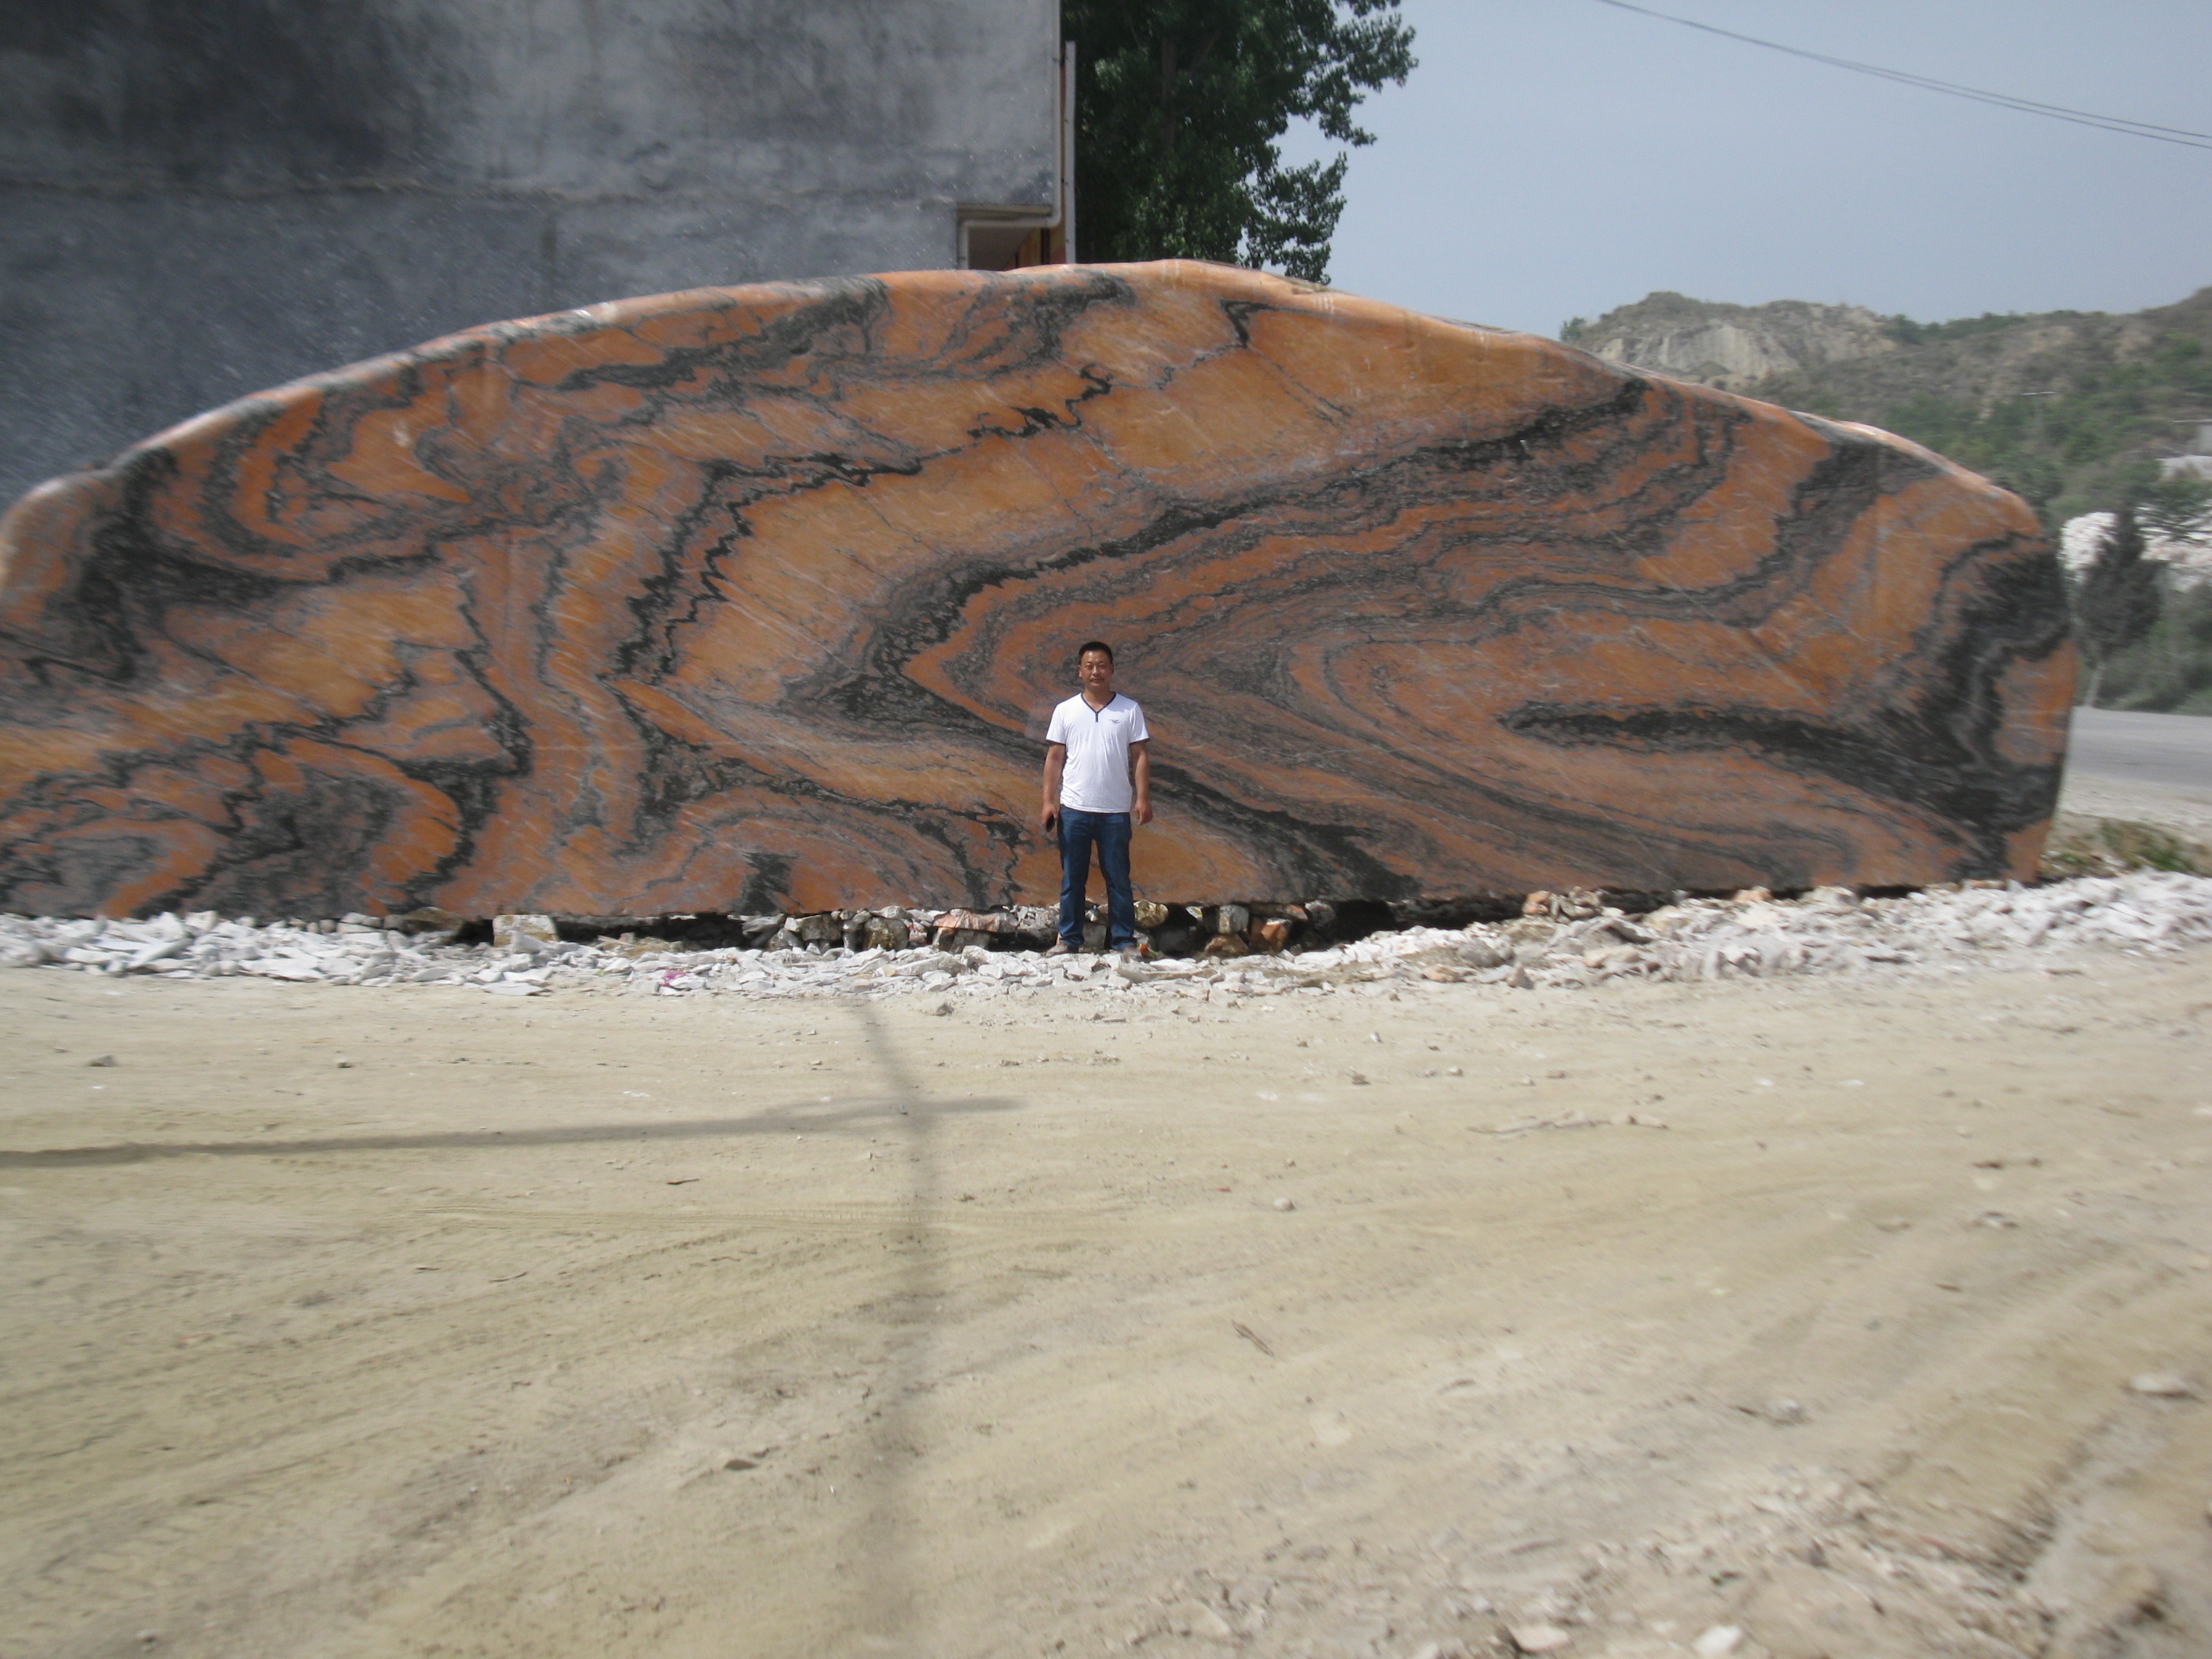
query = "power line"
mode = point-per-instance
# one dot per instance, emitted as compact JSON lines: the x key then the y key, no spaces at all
{"x":2181,"y":136}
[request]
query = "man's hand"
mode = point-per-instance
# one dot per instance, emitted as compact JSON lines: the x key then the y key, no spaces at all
{"x":1055,"y":759}
{"x":1143,"y":812}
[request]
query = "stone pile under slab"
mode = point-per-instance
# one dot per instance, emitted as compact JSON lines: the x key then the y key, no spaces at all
{"x":1580,"y":941}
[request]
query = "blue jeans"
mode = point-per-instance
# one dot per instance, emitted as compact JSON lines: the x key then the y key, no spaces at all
{"x":1109,"y":833}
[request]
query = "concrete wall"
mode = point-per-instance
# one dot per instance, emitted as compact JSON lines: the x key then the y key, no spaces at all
{"x":199,"y":200}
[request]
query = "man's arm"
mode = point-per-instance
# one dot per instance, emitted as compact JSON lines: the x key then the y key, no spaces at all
{"x":1055,"y":757}
{"x":1141,"y":770}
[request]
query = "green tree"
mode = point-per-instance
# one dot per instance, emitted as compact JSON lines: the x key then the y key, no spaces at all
{"x":2178,"y":506}
{"x":2171,"y":670}
{"x":2116,"y":600}
{"x":1178,"y":105}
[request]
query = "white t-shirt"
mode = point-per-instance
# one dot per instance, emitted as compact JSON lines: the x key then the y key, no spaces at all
{"x":1096,"y":777}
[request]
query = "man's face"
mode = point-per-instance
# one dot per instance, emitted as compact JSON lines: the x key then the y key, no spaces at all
{"x":1096,"y":670}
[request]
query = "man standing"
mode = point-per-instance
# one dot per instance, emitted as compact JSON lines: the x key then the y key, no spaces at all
{"x":1098,"y":779}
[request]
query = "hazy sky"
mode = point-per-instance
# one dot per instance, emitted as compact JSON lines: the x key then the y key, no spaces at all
{"x":1557,"y":158}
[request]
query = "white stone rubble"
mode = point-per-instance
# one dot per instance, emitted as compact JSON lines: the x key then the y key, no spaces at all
{"x":1829,"y":931}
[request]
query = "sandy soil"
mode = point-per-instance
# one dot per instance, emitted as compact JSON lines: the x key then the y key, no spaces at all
{"x":2187,"y":812}
{"x":2183,"y":808}
{"x":412,"y":1321}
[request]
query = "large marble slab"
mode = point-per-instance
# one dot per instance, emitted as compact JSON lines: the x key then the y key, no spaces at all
{"x":755,"y":599}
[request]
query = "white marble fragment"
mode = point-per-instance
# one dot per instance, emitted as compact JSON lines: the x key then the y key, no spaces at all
{"x":1829,"y":931}
{"x":2163,"y":1385}
{"x":1538,"y":1638}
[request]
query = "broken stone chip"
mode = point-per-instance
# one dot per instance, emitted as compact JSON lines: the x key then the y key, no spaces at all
{"x":884,"y":933}
{"x":532,"y":933}
{"x":1538,"y":1638}
{"x":2163,"y":1385}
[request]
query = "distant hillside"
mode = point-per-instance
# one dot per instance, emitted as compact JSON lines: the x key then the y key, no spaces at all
{"x":1732,"y":347}
{"x":2071,"y":410}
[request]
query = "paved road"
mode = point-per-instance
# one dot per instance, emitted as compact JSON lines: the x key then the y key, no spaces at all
{"x":2156,"y":767}
{"x":2161,"y":751}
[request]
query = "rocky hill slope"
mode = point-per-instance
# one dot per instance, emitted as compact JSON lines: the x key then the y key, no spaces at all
{"x":2071,"y":410}
{"x":1733,"y":347}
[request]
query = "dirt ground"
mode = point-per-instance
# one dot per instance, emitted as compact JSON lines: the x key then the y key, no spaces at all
{"x":414,"y":1321}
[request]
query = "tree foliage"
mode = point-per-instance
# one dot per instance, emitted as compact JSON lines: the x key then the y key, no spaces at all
{"x":2171,"y":669}
{"x":1178,"y":107}
{"x":2177,"y":506}
{"x":1903,"y":330}
{"x":2116,"y":600}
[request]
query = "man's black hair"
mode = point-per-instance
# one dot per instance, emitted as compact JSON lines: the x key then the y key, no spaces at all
{"x":1090,"y":645}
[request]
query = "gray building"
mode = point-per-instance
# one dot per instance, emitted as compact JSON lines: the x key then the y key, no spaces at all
{"x":199,"y":198}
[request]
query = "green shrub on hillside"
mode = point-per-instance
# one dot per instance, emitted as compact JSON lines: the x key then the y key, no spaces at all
{"x":1906,"y":331}
{"x":2069,"y":410}
{"x":2170,"y":671}
{"x":2086,"y":443}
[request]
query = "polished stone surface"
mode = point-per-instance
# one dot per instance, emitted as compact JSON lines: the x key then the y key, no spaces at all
{"x":757,"y":599}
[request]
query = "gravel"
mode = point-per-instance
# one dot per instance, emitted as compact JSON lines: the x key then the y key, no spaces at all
{"x":1829,"y":931}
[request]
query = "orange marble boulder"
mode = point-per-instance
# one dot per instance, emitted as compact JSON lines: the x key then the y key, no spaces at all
{"x":755,"y":599}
